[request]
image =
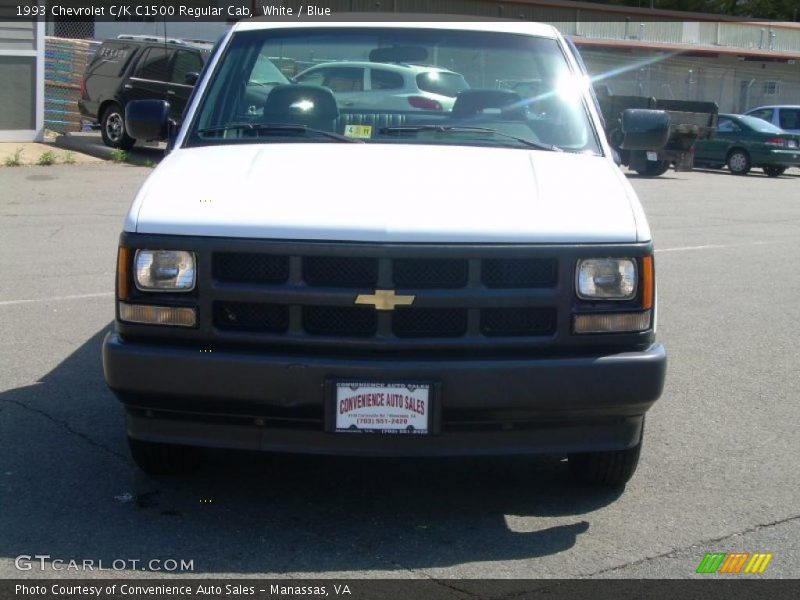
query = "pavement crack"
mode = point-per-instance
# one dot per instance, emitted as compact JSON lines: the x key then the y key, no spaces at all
{"x":118,"y":455}
{"x":701,"y":543}
{"x":548,"y":588}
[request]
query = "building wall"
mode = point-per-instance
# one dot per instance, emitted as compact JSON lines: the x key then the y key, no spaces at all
{"x":735,"y":85}
{"x":21,"y":74}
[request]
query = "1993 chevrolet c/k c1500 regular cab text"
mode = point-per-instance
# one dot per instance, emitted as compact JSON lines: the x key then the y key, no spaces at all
{"x":318,"y":267}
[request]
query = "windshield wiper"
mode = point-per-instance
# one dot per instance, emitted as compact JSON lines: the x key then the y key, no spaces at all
{"x":462,"y":129}
{"x":278,"y":128}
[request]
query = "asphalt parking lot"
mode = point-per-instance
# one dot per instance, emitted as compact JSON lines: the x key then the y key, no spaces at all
{"x":718,"y":470}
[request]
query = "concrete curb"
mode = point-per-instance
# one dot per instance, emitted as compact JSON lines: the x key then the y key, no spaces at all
{"x":92,"y":144}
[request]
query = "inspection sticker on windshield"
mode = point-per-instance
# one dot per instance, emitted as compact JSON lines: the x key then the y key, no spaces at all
{"x":359,"y":132}
{"x":382,"y":407}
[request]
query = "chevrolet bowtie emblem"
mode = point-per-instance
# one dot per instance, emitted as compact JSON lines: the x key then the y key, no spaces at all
{"x":385,"y":300}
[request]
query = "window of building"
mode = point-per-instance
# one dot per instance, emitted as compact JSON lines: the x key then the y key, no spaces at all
{"x":771,"y":88}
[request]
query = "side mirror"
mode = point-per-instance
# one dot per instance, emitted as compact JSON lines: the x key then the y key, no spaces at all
{"x":147,"y":119}
{"x":191,"y":78}
{"x":644,"y":129}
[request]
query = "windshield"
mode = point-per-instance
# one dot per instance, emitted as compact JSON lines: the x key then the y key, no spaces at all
{"x":265,"y":72}
{"x":394,"y":85}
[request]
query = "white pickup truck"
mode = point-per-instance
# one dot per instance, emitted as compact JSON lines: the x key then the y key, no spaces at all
{"x":419,"y":278}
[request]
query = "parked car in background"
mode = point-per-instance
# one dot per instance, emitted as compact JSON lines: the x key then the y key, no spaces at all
{"x":742,"y":142}
{"x":132,"y":67}
{"x":386,"y":86}
{"x":786,"y":117}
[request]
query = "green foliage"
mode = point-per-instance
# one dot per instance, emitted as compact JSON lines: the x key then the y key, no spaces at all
{"x":119,"y":155}
{"x":46,"y":159}
{"x":69,"y":158}
{"x":16,"y":160}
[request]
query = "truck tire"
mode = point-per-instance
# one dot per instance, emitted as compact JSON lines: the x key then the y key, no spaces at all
{"x":606,"y":468}
{"x":654,"y":168}
{"x":112,"y":128}
{"x":738,"y":161}
{"x":774,"y":171}
{"x":162,"y":459}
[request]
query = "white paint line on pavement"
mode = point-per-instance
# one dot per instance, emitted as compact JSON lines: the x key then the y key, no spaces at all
{"x":713,"y":247}
{"x":55,"y":299}
{"x":107,"y":294}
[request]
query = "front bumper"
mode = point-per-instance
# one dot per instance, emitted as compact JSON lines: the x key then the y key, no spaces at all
{"x":506,"y":405}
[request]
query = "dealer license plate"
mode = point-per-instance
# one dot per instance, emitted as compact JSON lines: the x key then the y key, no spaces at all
{"x":652,"y":156}
{"x":382,"y":408}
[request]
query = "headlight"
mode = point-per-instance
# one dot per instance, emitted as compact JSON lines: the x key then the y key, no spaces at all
{"x":164,"y":270}
{"x":606,"y":279}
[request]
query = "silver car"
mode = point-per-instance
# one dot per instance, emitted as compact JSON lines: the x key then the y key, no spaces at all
{"x":386,"y":86}
{"x":787,"y":117}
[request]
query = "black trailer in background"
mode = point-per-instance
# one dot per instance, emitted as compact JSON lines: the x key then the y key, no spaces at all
{"x":689,"y":121}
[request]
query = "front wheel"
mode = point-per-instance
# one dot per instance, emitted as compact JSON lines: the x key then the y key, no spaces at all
{"x":163,"y":459}
{"x":654,"y":168}
{"x":112,"y":128}
{"x":774,"y":171}
{"x":612,"y":468}
{"x":739,"y":162}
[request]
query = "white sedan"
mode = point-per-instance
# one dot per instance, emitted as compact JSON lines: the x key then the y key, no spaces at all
{"x":386,"y":86}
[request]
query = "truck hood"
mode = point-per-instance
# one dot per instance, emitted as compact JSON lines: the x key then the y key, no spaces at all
{"x":388,"y":193}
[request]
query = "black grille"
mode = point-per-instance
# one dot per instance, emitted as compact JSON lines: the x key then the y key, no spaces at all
{"x":518,"y":321}
{"x":430,"y":273}
{"x":429,"y":322}
{"x":340,"y":271}
{"x":443,"y":284}
{"x":340,"y":320}
{"x":251,"y":268}
{"x":519,"y":272}
{"x":246,"y":316}
{"x":362,"y":272}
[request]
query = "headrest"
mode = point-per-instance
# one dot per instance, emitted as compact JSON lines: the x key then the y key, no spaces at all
{"x":471,"y":103}
{"x":301,"y":101}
